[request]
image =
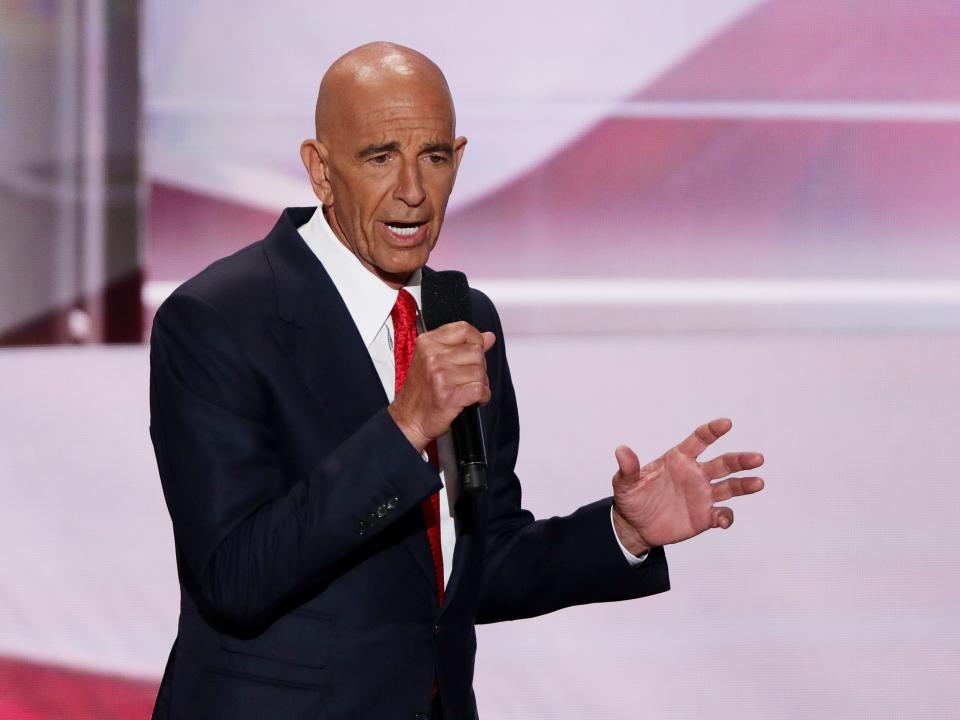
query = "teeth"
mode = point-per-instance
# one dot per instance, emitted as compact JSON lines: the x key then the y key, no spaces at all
{"x":403,"y":230}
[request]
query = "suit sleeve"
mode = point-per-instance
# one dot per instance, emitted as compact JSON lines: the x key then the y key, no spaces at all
{"x":251,"y":539}
{"x":533,"y":567}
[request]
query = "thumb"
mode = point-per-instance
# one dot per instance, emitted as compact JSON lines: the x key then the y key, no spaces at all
{"x":489,"y":339}
{"x":628,"y":462}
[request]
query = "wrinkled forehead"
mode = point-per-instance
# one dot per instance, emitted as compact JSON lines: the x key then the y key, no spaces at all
{"x":373,"y":111}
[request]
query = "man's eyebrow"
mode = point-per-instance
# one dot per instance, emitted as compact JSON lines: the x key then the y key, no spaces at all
{"x":378,"y":149}
{"x":437,"y":147}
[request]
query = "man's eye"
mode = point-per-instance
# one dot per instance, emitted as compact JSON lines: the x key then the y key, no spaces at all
{"x":380,"y":159}
{"x":437,"y":159}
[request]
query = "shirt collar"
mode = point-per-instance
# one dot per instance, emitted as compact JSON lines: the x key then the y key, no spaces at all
{"x":369,"y":300}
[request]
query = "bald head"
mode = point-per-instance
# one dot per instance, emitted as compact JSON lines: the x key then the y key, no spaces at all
{"x":368,"y":72}
{"x":385,"y":156}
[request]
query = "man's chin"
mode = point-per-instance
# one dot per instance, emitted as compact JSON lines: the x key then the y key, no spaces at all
{"x":397,"y":272}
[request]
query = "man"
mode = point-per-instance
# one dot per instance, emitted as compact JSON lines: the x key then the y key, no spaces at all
{"x":330,"y":566}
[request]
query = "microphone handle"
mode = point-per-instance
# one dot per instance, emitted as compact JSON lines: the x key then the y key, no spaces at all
{"x":467,"y":436}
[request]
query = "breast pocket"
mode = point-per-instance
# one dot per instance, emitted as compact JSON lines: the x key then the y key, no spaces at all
{"x":300,"y":638}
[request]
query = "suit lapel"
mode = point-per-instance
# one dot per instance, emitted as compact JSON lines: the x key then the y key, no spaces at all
{"x":316,"y":332}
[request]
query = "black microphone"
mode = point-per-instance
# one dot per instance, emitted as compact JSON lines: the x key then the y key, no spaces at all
{"x":445,"y":298}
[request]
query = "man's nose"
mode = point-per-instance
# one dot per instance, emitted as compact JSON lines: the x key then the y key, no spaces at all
{"x":410,"y":184}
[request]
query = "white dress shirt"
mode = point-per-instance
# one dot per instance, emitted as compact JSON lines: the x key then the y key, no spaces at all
{"x":369,"y":301}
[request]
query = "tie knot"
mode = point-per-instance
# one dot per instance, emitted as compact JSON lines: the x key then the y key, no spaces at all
{"x":404,"y":313}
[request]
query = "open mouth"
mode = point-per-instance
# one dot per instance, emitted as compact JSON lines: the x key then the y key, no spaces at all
{"x":407,"y":230}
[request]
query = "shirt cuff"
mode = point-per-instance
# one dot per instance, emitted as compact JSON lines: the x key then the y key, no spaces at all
{"x":634,"y":560}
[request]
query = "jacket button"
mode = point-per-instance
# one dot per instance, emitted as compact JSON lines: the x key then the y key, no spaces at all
{"x":421,"y":716}
{"x":393,"y":503}
{"x":436,"y":629}
{"x":362,"y":527}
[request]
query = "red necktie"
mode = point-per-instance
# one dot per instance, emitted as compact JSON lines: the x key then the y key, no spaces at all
{"x":404,"y":315}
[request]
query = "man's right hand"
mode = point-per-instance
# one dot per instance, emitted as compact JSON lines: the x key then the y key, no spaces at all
{"x":448,"y":373}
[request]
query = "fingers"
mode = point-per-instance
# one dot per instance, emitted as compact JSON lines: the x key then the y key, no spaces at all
{"x":734,"y":487}
{"x":457,"y":357}
{"x":732,"y":462}
{"x":450,"y":378}
{"x":704,"y":436}
{"x":461,"y":332}
{"x":465,"y":354}
{"x":722,"y":517}
{"x":471,"y":393}
{"x":458,"y":343}
{"x":455,"y":332}
{"x":448,"y":373}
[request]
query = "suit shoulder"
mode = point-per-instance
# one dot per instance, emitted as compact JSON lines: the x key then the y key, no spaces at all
{"x":240,"y":284}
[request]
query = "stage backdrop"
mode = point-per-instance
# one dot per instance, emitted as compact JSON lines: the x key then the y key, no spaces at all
{"x":698,"y":163}
{"x":683,"y":209}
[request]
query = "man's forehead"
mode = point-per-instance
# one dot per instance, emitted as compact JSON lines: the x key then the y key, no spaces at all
{"x":402,"y":122}
{"x":409,"y":116}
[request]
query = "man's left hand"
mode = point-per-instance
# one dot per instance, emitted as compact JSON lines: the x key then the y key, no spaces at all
{"x":672,"y":498}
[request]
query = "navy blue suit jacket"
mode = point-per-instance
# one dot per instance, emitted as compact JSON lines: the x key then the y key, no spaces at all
{"x":307,"y":587}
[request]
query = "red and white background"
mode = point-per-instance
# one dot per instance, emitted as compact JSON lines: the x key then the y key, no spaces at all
{"x":683,"y":210}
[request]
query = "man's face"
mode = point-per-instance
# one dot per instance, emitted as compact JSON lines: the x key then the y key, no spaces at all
{"x":391,"y":163}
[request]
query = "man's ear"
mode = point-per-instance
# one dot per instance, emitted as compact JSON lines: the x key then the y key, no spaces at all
{"x":458,"y":147}
{"x":313,"y":153}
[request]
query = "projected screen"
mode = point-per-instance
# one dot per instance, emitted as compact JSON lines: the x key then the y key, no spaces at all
{"x":694,"y":139}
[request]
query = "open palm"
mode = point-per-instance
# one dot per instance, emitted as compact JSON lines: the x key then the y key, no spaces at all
{"x":673,"y":498}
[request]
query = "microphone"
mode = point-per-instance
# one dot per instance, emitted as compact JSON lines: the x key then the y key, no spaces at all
{"x":445,"y":298}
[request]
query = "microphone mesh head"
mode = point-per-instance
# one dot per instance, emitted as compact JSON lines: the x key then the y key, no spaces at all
{"x":445,"y":297}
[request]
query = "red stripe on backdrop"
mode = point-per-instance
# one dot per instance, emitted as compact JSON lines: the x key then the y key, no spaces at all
{"x":32,"y":691}
{"x":187,"y":231}
{"x":825,"y":50}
